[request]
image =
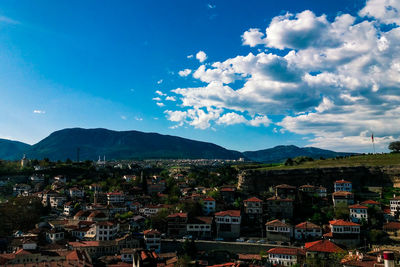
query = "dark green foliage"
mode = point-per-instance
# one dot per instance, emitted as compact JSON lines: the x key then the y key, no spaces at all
{"x":395,"y":146}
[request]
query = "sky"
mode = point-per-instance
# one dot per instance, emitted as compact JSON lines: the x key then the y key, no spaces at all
{"x":246,"y":75}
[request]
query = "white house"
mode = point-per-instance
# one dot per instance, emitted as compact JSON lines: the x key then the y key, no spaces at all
{"x":395,"y":205}
{"x":358,"y":213}
{"x":277,"y":230}
{"x":54,"y":235}
{"x":307,"y":230}
{"x":199,"y":227}
{"x":68,"y":208}
{"x":152,"y":239}
{"x":75,"y":192}
{"x":253,"y":206}
{"x":208,"y":205}
{"x":344,"y":233}
{"x":342,"y":185}
{"x":228,"y":223}
{"x":285,"y":256}
{"x":106,"y":230}
{"x":115,"y":198}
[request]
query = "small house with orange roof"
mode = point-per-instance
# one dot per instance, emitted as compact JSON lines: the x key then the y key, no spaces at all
{"x":344,"y":233}
{"x":208,"y":205}
{"x":358,"y":213}
{"x":307,"y":230}
{"x":322,"y":249}
{"x":342,"y":185}
{"x":283,"y":256}
{"x":228,"y":223}
{"x":277,"y":230}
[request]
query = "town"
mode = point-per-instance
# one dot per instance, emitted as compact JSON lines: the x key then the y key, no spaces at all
{"x":171,"y":213}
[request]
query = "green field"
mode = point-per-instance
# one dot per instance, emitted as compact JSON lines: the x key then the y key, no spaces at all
{"x":352,"y":161}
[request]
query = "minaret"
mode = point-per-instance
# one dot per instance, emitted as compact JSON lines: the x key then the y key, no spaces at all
{"x":24,"y":161}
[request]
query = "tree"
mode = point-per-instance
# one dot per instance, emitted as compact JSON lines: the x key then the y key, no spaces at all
{"x":394,"y":146}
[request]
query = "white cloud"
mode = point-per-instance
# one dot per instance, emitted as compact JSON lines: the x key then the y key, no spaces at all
{"x":176,"y":116}
{"x":201,"y":56}
{"x":333,"y":78}
{"x":160,"y":104}
{"x":158,"y":92}
{"x":123,"y":117}
{"x":38,"y":111}
{"x":138,"y":118}
{"x":156,"y":99}
{"x":231,"y":118}
{"x":386,"y":11}
{"x":8,"y":20}
{"x":211,"y":6}
{"x":160,"y":81}
{"x":170,"y":98}
{"x":189,"y":56}
{"x":185,"y":72}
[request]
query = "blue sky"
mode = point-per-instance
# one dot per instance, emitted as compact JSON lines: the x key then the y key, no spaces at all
{"x":269,"y":73}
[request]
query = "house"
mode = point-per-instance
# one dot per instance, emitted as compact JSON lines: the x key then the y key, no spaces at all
{"x":68,"y":208}
{"x":285,"y":191}
{"x":208,"y":205}
{"x":152,"y":240}
{"x":322,"y":249}
{"x":95,"y":187}
{"x":253,"y":207}
{"x":395,"y":206}
{"x":106,"y":230}
{"x":281,"y":208}
{"x":54,"y":235}
{"x":371,"y":203}
{"x":115,"y":198}
{"x":228,"y":193}
{"x":392,"y":229}
{"x":277,"y":230}
{"x":358,"y":213}
{"x":129,"y":178}
{"x":307,"y":189}
{"x":177,"y":224}
{"x":344,"y":233}
{"x":21,"y":189}
{"x":286,"y":256}
{"x":57,"y":200}
{"x":342,"y":185}
{"x":60,"y":178}
{"x":321,"y":191}
{"x":75,"y":192}
{"x":307,"y":230}
{"x":228,"y":223}
{"x":342,"y":198}
{"x":150,"y":210}
{"x":200,"y":227}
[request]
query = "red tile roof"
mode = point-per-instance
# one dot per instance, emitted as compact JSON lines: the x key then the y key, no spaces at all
{"x":151,"y":231}
{"x":249,"y":257}
{"x":277,"y":223}
{"x":322,"y":246}
{"x":342,"y":223}
{"x":84,"y":244}
{"x":307,"y":225}
{"x":232,"y":213}
{"x":227,"y":189}
{"x":286,"y":186}
{"x":277,"y":198}
{"x":342,"y":194}
{"x":370,"y":202}
{"x":286,"y":251}
{"x":253,"y":199}
{"x":342,"y":182}
{"x":391,"y":226}
{"x":208,"y":198}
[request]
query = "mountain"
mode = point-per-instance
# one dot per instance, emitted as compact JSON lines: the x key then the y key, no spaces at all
{"x":10,"y":150}
{"x":281,"y":153}
{"x":93,"y":143}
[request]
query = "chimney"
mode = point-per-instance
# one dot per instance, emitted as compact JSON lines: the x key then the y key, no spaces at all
{"x":388,"y":257}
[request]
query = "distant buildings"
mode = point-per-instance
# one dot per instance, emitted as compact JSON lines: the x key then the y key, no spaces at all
{"x":277,"y":230}
{"x":342,"y":185}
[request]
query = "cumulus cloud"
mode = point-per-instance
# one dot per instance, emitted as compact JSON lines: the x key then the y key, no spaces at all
{"x":189,"y":56}
{"x":38,"y":111}
{"x":335,"y":79}
{"x":201,"y":56}
{"x":160,"y":81}
{"x":170,"y":98}
{"x":160,"y":104}
{"x":156,"y":99}
{"x":185,"y":72}
{"x":158,"y":92}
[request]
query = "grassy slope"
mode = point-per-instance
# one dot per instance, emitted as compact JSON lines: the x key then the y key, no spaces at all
{"x":361,"y":160}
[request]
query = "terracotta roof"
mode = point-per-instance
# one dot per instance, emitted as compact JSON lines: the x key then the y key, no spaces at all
{"x":307,"y":225}
{"x":370,"y":202}
{"x":277,"y":223}
{"x":179,"y":214}
{"x":342,"y":182}
{"x":227,"y":189}
{"x":107,"y":223}
{"x":253,"y":199}
{"x":232,"y":213}
{"x":357,"y":206}
{"x":342,"y":194}
{"x":151,"y":231}
{"x":201,"y":220}
{"x":322,"y":246}
{"x":22,"y":252}
{"x":307,"y":186}
{"x":365,"y":261}
{"x":342,"y":223}
{"x":277,"y":198}
{"x":391,"y":226}
{"x":208,"y":198}
{"x":286,"y":251}
{"x":115,"y":193}
{"x":84,"y":244}
{"x":249,"y":257}
{"x":285,"y":186}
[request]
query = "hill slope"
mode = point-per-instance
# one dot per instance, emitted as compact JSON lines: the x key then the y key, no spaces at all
{"x":10,"y":150}
{"x":92,"y":143}
{"x":281,"y":153}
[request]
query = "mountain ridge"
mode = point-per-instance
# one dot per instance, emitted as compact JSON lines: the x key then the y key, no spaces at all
{"x":117,"y":145}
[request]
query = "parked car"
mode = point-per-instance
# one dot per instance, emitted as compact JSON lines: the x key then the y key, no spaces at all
{"x":251,"y":241}
{"x":261,"y":241}
{"x":240,"y":240}
{"x":219,"y":239}
{"x":187,"y":237}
